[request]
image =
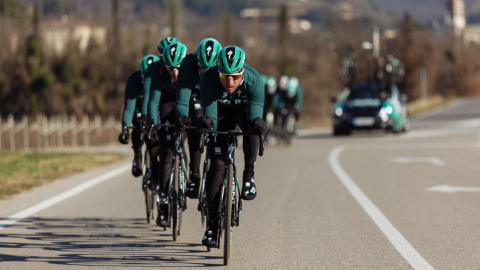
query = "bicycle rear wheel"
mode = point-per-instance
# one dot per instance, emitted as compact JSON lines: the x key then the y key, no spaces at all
{"x":228,"y":218}
{"x":182,"y":201}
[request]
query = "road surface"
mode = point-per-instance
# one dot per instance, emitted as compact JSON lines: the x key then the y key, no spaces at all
{"x":367,"y":201}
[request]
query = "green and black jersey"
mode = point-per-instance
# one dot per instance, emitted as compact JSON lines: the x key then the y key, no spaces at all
{"x":280,"y":100}
{"x":133,"y":96}
{"x":188,"y":82}
{"x":159,"y":82}
{"x":251,"y":93}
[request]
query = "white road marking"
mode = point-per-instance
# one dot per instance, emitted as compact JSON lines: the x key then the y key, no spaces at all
{"x":433,"y":160}
{"x":451,"y":189}
{"x":396,"y":238}
{"x":61,"y":197}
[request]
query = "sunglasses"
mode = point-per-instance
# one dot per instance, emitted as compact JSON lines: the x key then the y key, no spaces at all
{"x":202,"y":67}
{"x":172,"y":69}
{"x":234,"y":76}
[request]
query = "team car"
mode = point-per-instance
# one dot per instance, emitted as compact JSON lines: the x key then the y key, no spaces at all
{"x":370,"y":105}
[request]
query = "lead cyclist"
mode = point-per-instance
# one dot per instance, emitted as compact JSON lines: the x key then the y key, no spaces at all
{"x":232,"y":93}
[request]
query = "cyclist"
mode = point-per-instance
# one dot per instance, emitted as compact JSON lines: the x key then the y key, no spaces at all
{"x":270,"y":88}
{"x":152,"y":173}
{"x":161,"y":109}
{"x":131,"y":111}
{"x":288,"y":101}
{"x":188,"y":103}
{"x":232,"y":93}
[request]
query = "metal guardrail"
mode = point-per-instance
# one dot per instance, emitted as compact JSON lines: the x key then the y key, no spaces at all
{"x":57,"y":131}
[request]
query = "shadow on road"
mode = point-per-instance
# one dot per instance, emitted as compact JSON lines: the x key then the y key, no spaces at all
{"x":98,"y":242}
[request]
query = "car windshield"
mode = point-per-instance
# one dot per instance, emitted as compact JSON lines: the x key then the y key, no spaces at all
{"x":366,"y":91}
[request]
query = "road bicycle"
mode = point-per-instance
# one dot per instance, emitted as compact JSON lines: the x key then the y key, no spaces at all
{"x":230,"y":205}
{"x":177,"y":200}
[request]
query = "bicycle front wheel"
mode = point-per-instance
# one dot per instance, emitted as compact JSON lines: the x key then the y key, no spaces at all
{"x":175,"y":201}
{"x":149,"y":194}
{"x":228,"y":218}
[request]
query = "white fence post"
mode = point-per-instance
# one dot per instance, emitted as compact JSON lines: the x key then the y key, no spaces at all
{"x":26,"y":142}
{"x":11,"y":125}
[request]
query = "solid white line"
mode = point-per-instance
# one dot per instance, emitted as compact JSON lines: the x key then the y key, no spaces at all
{"x":61,"y":197}
{"x":396,"y":238}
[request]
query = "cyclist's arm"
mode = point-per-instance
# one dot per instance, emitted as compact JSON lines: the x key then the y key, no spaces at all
{"x":299,"y":99}
{"x":146,"y":89}
{"x":184,"y":90}
{"x":154,"y":102}
{"x":131,"y":93}
{"x":256,"y":99}
{"x":209,"y":100}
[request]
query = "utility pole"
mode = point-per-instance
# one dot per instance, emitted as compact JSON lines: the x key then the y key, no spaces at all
{"x":175,"y":9}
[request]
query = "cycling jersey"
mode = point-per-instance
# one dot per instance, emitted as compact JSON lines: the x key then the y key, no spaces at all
{"x":188,"y":84}
{"x":280,"y":100}
{"x":160,"y":83}
{"x":250,"y":93}
{"x":133,"y":97}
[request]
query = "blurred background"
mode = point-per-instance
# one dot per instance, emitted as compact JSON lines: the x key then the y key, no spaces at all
{"x":64,"y":61}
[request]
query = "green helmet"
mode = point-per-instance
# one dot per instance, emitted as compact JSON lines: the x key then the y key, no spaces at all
{"x":231,"y":59}
{"x":164,"y":43}
{"x":174,"y":54}
{"x":292,"y":86}
{"x":265,"y":79}
{"x":207,"y":52}
{"x":147,"y":61}
{"x":271,"y":82}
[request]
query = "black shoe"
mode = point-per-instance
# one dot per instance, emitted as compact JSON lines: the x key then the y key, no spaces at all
{"x":211,"y":234}
{"x":137,"y":167}
{"x":162,"y":217}
{"x":249,"y":189}
{"x":192,"y":190}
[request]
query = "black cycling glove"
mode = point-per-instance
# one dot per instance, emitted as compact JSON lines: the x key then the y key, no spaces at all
{"x":124,"y":136}
{"x":258,"y":126}
{"x":204,"y":124}
{"x":182,"y":123}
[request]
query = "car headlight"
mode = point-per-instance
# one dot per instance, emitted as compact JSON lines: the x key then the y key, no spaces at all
{"x":388,"y":109}
{"x":338,"y":111}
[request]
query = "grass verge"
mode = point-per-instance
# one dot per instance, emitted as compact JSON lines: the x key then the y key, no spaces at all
{"x":20,"y":171}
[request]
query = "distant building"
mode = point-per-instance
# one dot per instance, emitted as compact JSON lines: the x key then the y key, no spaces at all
{"x":455,"y":15}
{"x":56,"y":35}
{"x":455,"y":20}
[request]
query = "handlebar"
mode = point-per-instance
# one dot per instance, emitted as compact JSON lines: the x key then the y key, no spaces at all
{"x":232,"y":133}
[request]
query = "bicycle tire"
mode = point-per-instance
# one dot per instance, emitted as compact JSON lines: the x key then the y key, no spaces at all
{"x":202,"y":198}
{"x":181,"y":195}
{"x":149,"y":194}
{"x":175,"y":201}
{"x":228,"y":218}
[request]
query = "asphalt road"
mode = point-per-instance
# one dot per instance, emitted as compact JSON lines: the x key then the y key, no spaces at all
{"x":367,"y":201}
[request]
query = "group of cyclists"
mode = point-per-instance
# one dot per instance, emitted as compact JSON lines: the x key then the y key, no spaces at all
{"x":212,"y":89}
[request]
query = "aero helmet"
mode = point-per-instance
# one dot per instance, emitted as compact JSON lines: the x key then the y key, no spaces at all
{"x":174,"y":54}
{"x":164,"y":43}
{"x":147,"y":61}
{"x":283,"y":82}
{"x":207,"y":52}
{"x":271,"y":84}
{"x":231,"y":59}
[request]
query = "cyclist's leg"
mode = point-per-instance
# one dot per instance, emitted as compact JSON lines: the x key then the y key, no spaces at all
{"x":166,"y":137}
{"x":217,"y":149}
{"x":251,"y":144}
{"x":167,"y":142}
{"x":194,"y":149}
{"x":137,"y":143}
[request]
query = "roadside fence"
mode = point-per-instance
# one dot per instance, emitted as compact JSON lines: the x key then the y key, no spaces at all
{"x":57,"y":131}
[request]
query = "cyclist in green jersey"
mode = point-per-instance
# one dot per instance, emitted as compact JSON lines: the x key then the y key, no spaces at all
{"x":153,"y":172}
{"x":286,"y":102}
{"x":131,"y":112}
{"x":232,"y":93}
{"x":161,"y":110}
{"x":188,"y":103}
